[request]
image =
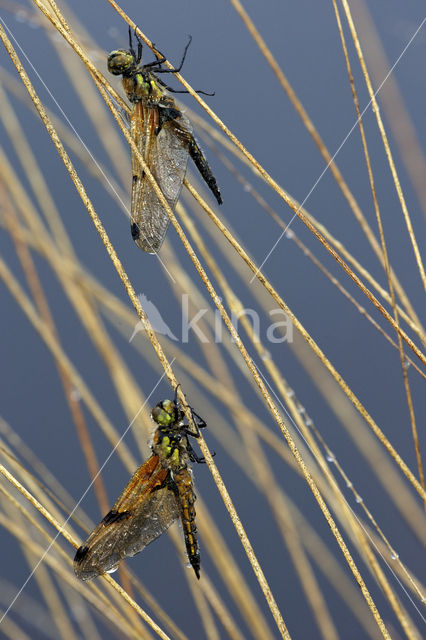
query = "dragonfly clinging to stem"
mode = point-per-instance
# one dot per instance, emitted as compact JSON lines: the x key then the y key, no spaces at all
{"x":163,"y":135}
{"x":159,"y":492}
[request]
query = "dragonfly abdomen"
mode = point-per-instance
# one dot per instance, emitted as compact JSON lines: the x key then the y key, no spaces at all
{"x":187,"y":497}
{"x":203,"y":167}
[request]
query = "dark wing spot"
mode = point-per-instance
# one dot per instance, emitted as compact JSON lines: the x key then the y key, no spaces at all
{"x":168,"y":113}
{"x":169,"y":484}
{"x":134,"y":230}
{"x":115,"y":516}
{"x":81,"y":554}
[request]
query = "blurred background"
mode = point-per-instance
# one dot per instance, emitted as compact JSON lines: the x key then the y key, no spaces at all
{"x":62,"y":426}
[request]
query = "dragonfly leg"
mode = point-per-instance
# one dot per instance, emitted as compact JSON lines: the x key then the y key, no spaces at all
{"x":156,"y":62}
{"x":177,"y":69}
{"x":137,"y":56}
{"x":195,"y":457}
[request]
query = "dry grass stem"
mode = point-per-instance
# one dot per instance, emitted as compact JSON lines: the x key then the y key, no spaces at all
{"x":210,"y":276}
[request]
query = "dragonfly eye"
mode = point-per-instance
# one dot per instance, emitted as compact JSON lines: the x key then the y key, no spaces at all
{"x":120,"y":61}
{"x":169,"y":406}
{"x":164,"y":413}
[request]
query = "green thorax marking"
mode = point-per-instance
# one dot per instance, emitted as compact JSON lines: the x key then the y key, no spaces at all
{"x":170,"y":442}
{"x":171,"y":447}
{"x":142,"y":87}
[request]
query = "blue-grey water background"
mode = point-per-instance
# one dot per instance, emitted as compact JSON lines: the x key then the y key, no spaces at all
{"x":223,"y":58}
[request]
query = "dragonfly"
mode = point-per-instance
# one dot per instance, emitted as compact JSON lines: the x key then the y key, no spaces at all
{"x":158,"y":493}
{"x":163,"y":135}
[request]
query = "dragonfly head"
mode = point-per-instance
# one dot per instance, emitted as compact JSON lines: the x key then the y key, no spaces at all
{"x":165,"y":413}
{"x":121,"y":62}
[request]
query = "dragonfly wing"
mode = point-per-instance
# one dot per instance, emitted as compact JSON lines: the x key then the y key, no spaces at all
{"x":183,"y":130}
{"x":145,"y":509}
{"x":166,"y":155}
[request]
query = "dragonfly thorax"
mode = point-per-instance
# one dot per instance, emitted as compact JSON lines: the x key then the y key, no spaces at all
{"x":141,"y":85}
{"x":171,"y":446}
{"x":170,"y":442}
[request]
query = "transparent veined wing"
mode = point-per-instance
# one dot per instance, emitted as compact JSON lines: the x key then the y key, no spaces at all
{"x":145,"y":509}
{"x":166,"y":155}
